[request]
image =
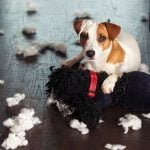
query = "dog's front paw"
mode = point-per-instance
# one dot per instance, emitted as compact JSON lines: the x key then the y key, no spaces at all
{"x":109,"y":84}
{"x":108,"y":88}
{"x":67,"y":63}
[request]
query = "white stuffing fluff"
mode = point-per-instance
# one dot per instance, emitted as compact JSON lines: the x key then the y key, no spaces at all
{"x":30,"y":51}
{"x":2,"y":82}
{"x":38,"y":47}
{"x":31,"y":7}
{"x":130,"y":120}
{"x":146,"y":115}
{"x":80,"y":126}
{"x":81,"y":14}
{"x":2,"y":32}
{"x":144,"y":68}
{"x":115,"y":146}
{"x":50,"y":100}
{"x":29,"y":31}
{"x":18,"y":125}
{"x":15,"y":100}
{"x":144,"y":17}
{"x":13,"y":141}
{"x":101,"y":121}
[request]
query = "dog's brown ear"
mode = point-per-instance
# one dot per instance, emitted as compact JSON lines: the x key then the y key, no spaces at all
{"x":77,"y":25}
{"x":112,"y":29}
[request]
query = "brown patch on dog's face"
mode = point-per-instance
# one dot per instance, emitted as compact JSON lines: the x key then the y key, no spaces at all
{"x":83,"y":38}
{"x":117,"y":54}
{"x":103,"y":37}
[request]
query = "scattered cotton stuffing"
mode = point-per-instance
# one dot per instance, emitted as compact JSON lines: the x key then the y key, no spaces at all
{"x":31,"y":7}
{"x":145,"y":17}
{"x":146,"y":115}
{"x":29,"y":31}
{"x":15,"y":100}
{"x":144,"y":68}
{"x":2,"y":32}
{"x":101,"y":121}
{"x":130,"y":120}
{"x":2,"y":82}
{"x":82,"y":15}
{"x":39,"y":47}
{"x":18,"y":125}
{"x":115,"y":146}
{"x":80,"y":126}
{"x":13,"y":141}
{"x":60,"y":48}
{"x":30,"y":51}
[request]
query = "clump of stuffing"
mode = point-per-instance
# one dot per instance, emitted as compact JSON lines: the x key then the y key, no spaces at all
{"x":115,"y":146}
{"x":34,"y":50}
{"x":101,"y":121}
{"x":2,"y":32}
{"x":31,"y":7}
{"x":15,"y":100}
{"x":60,"y":48}
{"x":82,"y":15}
{"x":18,"y":125}
{"x":30,"y":51}
{"x":130,"y":120}
{"x":2,"y":82}
{"x":29,"y":31}
{"x":145,"y":17}
{"x":13,"y":141}
{"x":144,"y":68}
{"x":80,"y":126}
{"x":146,"y":115}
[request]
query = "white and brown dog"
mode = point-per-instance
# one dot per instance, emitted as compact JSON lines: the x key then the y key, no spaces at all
{"x":106,"y":48}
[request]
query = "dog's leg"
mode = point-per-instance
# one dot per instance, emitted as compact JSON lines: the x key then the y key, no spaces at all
{"x":74,"y":60}
{"x":109,"y":83}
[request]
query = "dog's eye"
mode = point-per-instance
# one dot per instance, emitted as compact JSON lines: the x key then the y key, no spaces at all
{"x":84,"y":35}
{"x":101,"y":38}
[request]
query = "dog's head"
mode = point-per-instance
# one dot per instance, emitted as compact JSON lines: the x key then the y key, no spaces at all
{"x":95,"y":38}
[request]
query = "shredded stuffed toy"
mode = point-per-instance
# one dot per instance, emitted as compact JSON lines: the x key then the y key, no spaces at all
{"x":80,"y":93}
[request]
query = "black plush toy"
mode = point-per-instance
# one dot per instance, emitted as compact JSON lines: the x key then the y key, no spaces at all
{"x":75,"y":89}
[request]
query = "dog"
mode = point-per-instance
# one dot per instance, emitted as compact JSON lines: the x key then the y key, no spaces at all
{"x":106,"y":47}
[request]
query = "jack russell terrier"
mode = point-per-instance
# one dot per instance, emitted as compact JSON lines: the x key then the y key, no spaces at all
{"x":106,"y":48}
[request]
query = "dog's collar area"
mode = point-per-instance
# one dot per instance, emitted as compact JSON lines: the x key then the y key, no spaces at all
{"x":93,"y":84}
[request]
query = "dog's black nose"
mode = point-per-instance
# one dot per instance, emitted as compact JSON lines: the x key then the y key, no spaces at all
{"x":90,"y":53}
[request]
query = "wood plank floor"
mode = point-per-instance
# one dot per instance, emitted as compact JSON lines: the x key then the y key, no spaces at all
{"x":53,"y":22}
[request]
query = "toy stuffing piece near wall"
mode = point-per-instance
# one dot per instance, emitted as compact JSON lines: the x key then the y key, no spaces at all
{"x":75,"y":94}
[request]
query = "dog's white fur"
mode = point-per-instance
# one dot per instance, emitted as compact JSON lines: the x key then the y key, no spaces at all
{"x":99,"y":63}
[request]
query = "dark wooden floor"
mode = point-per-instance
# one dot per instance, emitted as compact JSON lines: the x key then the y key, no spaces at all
{"x":53,"y":23}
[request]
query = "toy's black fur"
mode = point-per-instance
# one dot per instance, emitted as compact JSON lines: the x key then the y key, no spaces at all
{"x":70,"y":86}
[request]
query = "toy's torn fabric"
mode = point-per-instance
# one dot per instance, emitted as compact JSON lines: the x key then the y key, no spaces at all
{"x":115,"y":146}
{"x":130,"y":121}
{"x":18,"y":126}
{"x":15,"y":100}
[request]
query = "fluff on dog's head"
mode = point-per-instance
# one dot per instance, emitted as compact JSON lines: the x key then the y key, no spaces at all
{"x":95,"y":37}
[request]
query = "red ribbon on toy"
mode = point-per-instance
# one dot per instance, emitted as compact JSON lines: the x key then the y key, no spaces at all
{"x":93,"y":84}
